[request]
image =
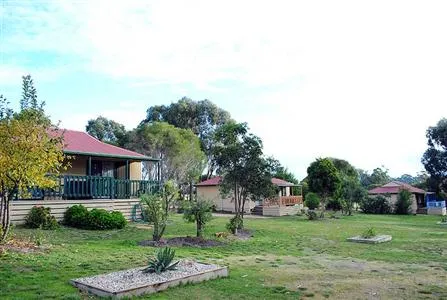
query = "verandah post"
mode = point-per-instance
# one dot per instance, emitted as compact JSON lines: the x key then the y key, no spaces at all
{"x":127,"y":179}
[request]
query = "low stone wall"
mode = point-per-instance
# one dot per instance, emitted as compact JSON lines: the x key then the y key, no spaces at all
{"x":20,"y":208}
{"x":277,"y":211}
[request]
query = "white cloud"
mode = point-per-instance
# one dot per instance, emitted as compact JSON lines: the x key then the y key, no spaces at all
{"x":353,"y":79}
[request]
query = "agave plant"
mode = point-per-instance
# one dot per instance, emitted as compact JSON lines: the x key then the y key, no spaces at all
{"x":162,"y":261}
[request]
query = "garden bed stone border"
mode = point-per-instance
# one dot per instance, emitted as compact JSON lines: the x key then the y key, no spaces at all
{"x":149,"y":288}
{"x":373,"y":240}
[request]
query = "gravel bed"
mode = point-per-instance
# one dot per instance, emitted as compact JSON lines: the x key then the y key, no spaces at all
{"x":134,"y":278}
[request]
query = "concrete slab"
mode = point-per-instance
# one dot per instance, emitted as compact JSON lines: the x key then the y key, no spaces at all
{"x":374,"y":240}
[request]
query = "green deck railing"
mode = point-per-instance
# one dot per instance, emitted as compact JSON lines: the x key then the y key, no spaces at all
{"x":93,"y":187}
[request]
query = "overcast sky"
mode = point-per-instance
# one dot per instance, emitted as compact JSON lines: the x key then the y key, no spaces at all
{"x":358,"y":80}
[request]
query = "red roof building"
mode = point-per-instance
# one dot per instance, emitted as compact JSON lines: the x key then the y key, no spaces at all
{"x":216,"y":181}
{"x":81,"y":143}
{"x":394,"y":187}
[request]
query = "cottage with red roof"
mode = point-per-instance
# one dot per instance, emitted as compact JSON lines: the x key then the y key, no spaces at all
{"x":284,"y":204}
{"x":99,"y":175}
{"x":393,"y":188}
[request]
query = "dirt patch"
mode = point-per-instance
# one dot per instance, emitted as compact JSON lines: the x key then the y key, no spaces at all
{"x":187,"y":241}
{"x":244,"y":234}
{"x":327,"y":276}
{"x":21,"y":246}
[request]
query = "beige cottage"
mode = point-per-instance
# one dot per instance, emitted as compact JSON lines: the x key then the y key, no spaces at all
{"x":284,"y":204}
{"x":392,"y":190}
{"x":99,"y":176}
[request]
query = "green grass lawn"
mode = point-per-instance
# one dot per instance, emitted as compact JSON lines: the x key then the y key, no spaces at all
{"x":288,"y":258}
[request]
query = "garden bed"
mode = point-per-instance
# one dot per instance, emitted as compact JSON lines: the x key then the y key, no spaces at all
{"x":134,"y":282}
{"x":187,"y":241}
{"x":372,"y":240}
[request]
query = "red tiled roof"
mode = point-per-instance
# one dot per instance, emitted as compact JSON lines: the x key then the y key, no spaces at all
{"x":280,"y":182}
{"x":394,"y":187}
{"x":78,"y":142}
{"x":216,"y":181}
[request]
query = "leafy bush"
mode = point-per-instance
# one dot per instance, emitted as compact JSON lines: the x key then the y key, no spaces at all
{"x":312,"y":201}
{"x":369,"y":233}
{"x":97,"y":219}
{"x":199,"y":211}
{"x":403,"y":203}
{"x":162,"y":261}
{"x":443,"y":219}
{"x":376,"y":205}
{"x":40,"y":217}
{"x":334,"y":204}
{"x":76,"y":216}
{"x":312,"y":215}
{"x":101,"y":219}
{"x":235,"y":223}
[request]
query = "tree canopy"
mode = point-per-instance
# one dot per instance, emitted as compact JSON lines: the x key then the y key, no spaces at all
{"x":30,"y":149}
{"x":182,"y":160}
{"x":435,"y":157}
{"x":202,"y":117}
{"x":323,"y":178}
{"x":108,"y":131}
{"x":240,"y":161}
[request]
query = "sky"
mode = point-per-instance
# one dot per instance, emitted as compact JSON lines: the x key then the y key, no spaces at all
{"x":357,"y":80}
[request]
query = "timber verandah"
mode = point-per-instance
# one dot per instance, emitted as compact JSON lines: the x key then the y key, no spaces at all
{"x":73,"y":187}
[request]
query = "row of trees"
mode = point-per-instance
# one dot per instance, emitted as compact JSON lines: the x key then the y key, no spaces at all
{"x":196,"y":137}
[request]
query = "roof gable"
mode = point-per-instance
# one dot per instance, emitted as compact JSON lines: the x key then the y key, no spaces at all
{"x":81,"y":143}
{"x":216,"y":181}
{"x":394,"y":187}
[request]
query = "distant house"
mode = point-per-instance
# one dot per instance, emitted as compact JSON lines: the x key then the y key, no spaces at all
{"x":285,"y":203}
{"x":99,"y":175}
{"x":393,"y":188}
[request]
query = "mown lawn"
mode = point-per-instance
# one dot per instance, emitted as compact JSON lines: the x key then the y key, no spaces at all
{"x":288,"y":258}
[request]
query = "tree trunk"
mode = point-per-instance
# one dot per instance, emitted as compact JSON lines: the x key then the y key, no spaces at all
{"x":235,"y":200}
{"x":199,"y":228}
{"x":5,"y":218}
{"x":155,"y":236}
{"x":190,"y":191}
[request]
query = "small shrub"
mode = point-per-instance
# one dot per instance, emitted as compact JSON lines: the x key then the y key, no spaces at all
{"x":200,"y":212}
{"x":443,"y":219}
{"x":312,"y":201}
{"x":334,"y":204}
{"x":376,"y":205}
{"x":312,"y":215}
{"x":235,"y":223}
{"x":403,"y":203}
{"x":76,"y":216}
{"x":369,"y":233}
{"x":162,"y":261}
{"x":40,"y":217}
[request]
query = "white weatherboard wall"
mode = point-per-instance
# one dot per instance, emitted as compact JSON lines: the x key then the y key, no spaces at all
{"x":20,"y":208}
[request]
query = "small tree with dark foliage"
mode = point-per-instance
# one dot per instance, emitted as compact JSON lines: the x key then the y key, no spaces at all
{"x":403,"y":203}
{"x":200,"y":212}
{"x":245,"y":172}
